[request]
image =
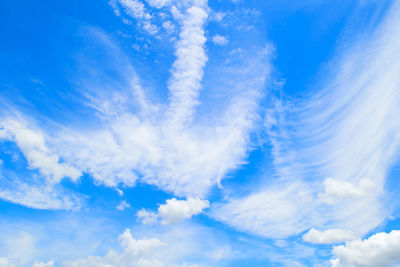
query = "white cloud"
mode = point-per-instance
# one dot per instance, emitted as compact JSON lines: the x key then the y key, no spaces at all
{"x":381,"y":249}
{"x":147,"y":217}
{"x":41,"y":197}
{"x":39,"y":156}
{"x":336,"y":190}
{"x":218,"y":16}
{"x":176,"y":246}
{"x":168,"y":26}
{"x":348,"y":131}
{"x":271,"y":213}
{"x":220,"y":40}
{"x":187,"y":70}
{"x":174,"y":211}
{"x":136,"y":139}
{"x":137,"y":10}
{"x":136,"y":253}
{"x":329,"y":236}
{"x":123,"y":205}
{"x":162,"y":144}
{"x":119,"y":191}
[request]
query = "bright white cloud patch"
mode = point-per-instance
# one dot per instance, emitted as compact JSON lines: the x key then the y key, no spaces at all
{"x":381,"y":249}
{"x":177,"y":210}
{"x":33,"y":146}
{"x":174,"y":211}
{"x":328,"y":236}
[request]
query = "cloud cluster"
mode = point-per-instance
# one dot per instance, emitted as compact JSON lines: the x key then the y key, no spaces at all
{"x":381,"y":249}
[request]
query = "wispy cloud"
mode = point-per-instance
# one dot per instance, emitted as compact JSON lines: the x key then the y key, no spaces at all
{"x":137,"y":139}
{"x":333,"y":151}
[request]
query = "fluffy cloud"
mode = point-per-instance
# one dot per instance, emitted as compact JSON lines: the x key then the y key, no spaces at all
{"x":220,"y":40}
{"x":328,"y":236}
{"x":123,"y":205}
{"x":174,"y":211}
{"x":381,"y":249}
{"x":175,"y":246}
{"x":136,"y":253}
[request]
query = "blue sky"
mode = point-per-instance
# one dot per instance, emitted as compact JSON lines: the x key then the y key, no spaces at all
{"x":199,"y":133}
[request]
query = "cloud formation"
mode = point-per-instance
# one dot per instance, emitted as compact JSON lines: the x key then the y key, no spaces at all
{"x":329,"y":236}
{"x":381,"y":249}
{"x":139,"y":140}
{"x":331,"y":152}
{"x":174,"y":211}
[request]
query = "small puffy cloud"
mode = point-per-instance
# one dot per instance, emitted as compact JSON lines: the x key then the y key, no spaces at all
{"x":219,"y":40}
{"x":381,"y":249}
{"x":328,"y":236}
{"x":123,"y":205}
{"x":218,"y":16}
{"x":138,"y":247}
{"x":174,"y":211}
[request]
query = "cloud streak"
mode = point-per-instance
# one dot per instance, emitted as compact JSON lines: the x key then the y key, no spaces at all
{"x":332,"y":152}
